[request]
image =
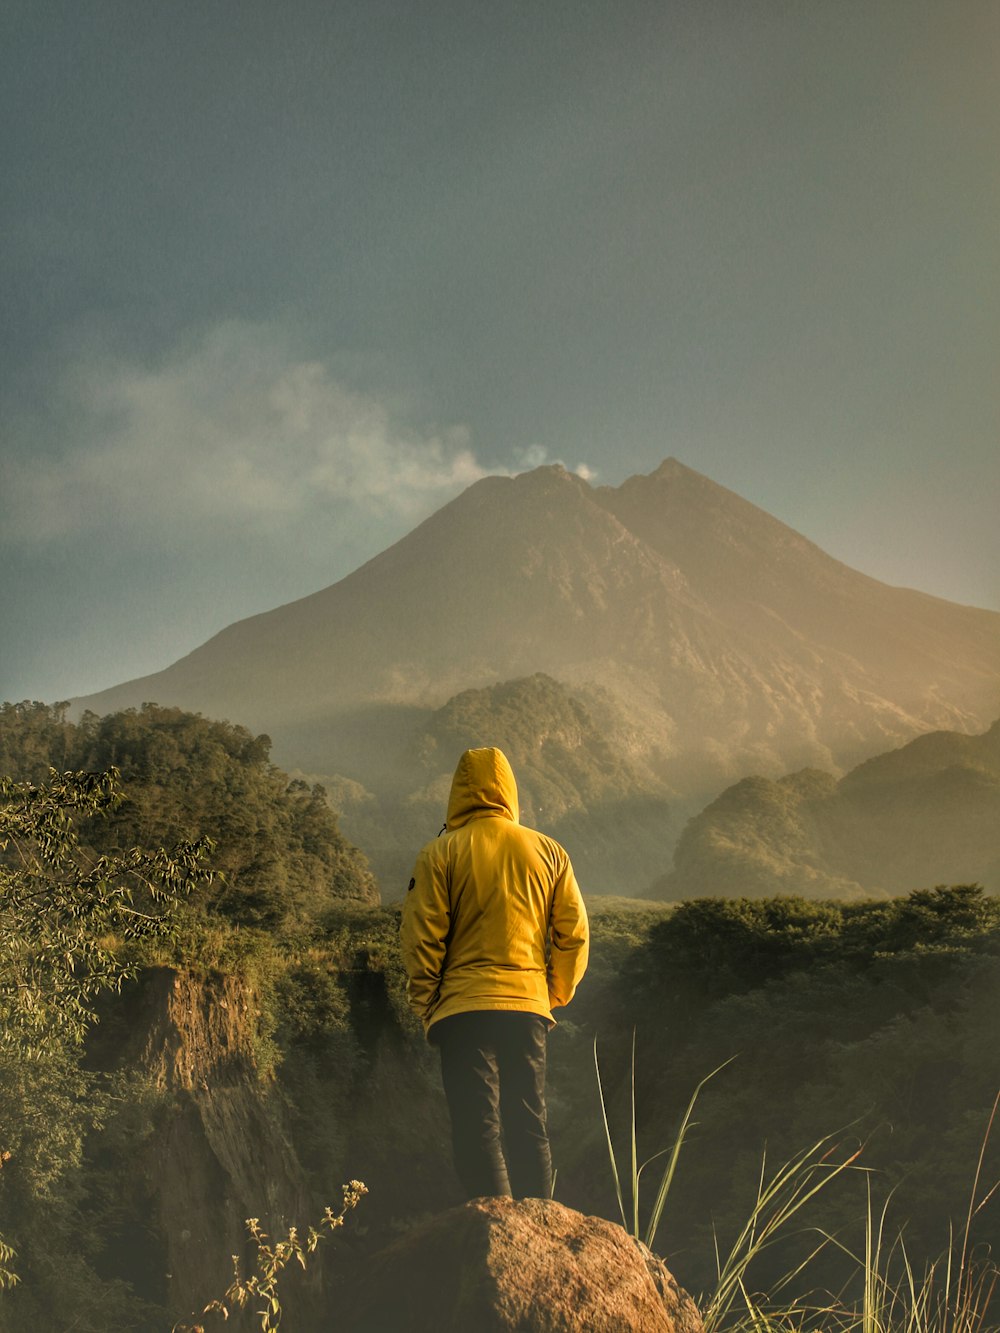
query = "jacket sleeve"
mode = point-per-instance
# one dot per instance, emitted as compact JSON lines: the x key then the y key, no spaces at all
{"x":423,"y":934}
{"x":570,"y":937}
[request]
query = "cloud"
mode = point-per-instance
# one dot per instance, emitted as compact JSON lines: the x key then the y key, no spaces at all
{"x":230,"y":429}
{"x":536,"y":455}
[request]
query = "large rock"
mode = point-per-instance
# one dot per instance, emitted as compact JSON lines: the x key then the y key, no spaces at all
{"x":532,"y":1266}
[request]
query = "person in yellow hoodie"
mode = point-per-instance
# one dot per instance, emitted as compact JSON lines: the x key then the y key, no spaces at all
{"x":494,"y":936}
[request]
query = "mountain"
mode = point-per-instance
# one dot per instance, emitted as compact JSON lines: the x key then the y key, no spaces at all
{"x":723,"y":642}
{"x":925,"y":814}
{"x":574,"y":779}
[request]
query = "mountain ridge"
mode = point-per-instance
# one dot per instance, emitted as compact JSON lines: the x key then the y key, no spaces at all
{"x":729,"y":642}
{"x":926,"y":813}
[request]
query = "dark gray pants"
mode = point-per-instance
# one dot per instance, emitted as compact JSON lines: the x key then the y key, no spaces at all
{"x":493,"y":1070}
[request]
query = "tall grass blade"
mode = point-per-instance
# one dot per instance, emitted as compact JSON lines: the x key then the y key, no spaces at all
{"x":610,"y":1141}
{"x":779,"y":1199}
{"x":667,"y":1178}
{"x":635,"y":1151}
{"x":963,"y":1270}
{"x":636,"y":1169}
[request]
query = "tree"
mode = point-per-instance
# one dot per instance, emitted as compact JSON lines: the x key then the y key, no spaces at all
{"x":284,"y":859}
{"x":67,"y":920}
{"x":64,"y":913}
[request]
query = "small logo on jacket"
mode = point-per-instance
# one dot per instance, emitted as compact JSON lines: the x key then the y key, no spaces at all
{"x":410,"y":885}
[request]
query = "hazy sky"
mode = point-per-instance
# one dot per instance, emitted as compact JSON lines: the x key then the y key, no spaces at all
{"x":280,"y":279}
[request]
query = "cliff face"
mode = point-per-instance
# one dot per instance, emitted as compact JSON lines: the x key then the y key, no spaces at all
{"x":219,"y":1152}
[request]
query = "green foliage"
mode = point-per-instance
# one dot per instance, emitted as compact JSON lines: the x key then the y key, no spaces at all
{"x":717,"y":947}
{"x":282,"y":857}
{"x":65,"y":915}
{"x":35,"y":737}
{"x":63,"y":910}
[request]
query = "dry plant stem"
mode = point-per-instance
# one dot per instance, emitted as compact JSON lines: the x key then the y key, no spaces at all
{"x":954,"y":1294}
{"x":973,"y":1206}
{"x":8,"y":1278}
{"x":778,"y":1201}
{"x":271,"y":1260}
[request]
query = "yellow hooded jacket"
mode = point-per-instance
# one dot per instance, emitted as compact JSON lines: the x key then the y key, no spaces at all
{"x":494,"y":917}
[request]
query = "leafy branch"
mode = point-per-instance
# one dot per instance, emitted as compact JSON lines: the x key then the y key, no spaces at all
{"x":64,"y":913}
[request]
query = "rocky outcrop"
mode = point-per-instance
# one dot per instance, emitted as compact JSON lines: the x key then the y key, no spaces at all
{"x":530,"y":1266}
{"x":218,"y":1154}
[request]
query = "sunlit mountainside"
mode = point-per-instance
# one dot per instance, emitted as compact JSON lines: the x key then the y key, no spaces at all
{"x":924,"y":814}
{"x":689,"y":639}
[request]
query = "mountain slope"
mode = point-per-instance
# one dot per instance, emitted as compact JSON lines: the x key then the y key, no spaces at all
{"x":575,"y":780}
{"x":758,"y":574}
{"x":514,"y":571}
{"x":927,"y":813}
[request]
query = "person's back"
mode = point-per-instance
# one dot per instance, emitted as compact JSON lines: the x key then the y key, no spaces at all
{"x":494,"y":935}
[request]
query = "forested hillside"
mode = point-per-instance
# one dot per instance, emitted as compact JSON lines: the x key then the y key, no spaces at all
{"x":927,"y":812}
{"x":277,"y":841}
{"x":579,"y":779}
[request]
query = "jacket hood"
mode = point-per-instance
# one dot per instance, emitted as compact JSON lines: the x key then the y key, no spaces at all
{"x":483,"y":785}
